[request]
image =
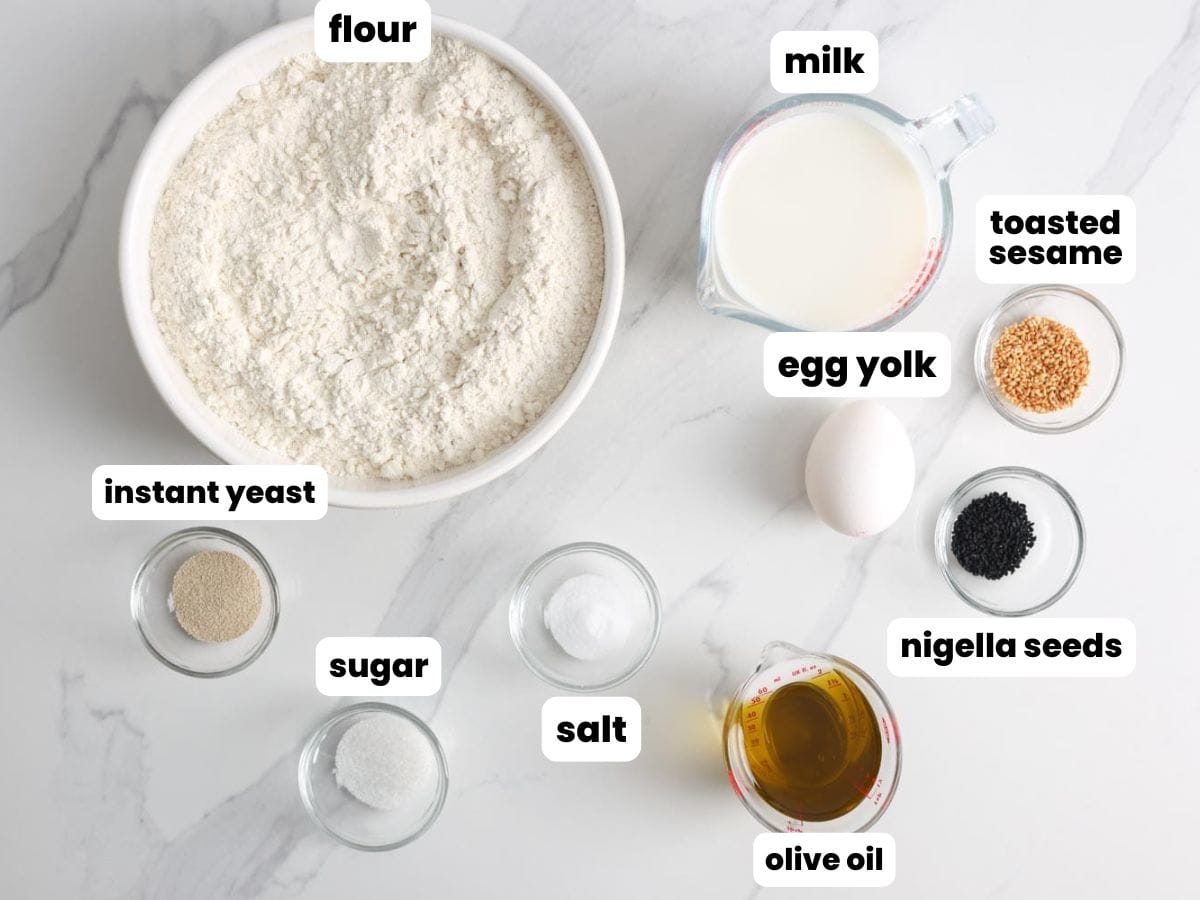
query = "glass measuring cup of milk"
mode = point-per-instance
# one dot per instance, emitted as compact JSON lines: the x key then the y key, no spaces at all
{"x":756,"y":766}
{"x":831,"y":212}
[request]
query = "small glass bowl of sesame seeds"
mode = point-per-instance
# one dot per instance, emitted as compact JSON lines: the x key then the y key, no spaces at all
{"x":1049,"y":359}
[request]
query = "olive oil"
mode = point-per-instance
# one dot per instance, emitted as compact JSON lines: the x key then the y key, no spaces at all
{"x":814,"y":747}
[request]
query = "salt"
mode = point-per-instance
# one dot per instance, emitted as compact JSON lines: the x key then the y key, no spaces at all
{"x":589,"y":617}
{"x":385,"y":762}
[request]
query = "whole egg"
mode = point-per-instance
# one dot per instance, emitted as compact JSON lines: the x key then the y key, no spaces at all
{"x":860,"y":469}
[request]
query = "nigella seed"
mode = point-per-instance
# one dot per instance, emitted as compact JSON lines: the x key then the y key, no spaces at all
{"x":992,"y":536}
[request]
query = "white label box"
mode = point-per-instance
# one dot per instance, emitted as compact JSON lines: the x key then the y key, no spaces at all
{"x":824,"y":860}
{"x":856,"y":364}
{"x":1011,"y":648}
{"x":824,"y":62}
{"x":379,"y":666}
{"x":209,"y":493}
{"x":372,"y":30}
{"x":1083,"y":239}
{"x":591,"y":729}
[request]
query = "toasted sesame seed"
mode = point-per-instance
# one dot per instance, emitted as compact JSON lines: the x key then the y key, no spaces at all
{"x":1040,"y":365}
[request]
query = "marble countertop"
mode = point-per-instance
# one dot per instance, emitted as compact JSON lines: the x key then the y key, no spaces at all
{"x":123,"y":779}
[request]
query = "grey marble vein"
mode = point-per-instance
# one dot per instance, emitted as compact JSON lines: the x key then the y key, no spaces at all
{"x":838,"y":610}
{"x":25,"y":276}
{"x":1151,"y":122}
{"x":268,"y":848}
{"x":101,"y":783}
{"x":722,"y":689}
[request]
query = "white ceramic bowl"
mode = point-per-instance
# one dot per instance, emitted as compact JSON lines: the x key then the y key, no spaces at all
{"x":211,"y":92}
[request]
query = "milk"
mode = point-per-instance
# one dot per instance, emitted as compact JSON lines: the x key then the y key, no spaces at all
{"x":822,"y":222}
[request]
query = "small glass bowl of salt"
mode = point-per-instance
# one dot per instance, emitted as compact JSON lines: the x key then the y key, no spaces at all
{"x":373,"y":776}
{"x":585,"y":617}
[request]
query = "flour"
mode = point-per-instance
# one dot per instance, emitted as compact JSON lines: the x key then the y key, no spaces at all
{"x":387,"y":270}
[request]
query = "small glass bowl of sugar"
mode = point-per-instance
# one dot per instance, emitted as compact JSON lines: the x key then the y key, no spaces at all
{"x":585,"y":617}
{"x":373,"y":776}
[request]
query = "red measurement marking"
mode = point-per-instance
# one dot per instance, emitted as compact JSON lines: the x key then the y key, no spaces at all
{"x":928,"y":266}
{"x":866,"y":793}
{"x":733,"y":783}
{"x":885,"y":722}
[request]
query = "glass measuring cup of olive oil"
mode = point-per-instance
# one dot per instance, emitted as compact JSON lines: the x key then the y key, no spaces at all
{"x":831,"y":212}
{"x":811,"y":743}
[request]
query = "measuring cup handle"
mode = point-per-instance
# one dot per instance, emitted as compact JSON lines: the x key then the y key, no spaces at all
{"x":953,"y":130}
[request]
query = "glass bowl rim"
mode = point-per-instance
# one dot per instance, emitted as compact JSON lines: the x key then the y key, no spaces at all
{"x":309,"y":752}
{"x":242,"y":544}
{"x":988,"y":328}
{"x":942,"y":528}
{"x":516,"y":603}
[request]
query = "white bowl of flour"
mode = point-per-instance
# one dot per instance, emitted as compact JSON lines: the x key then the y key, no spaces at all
{"x":408,"y":275}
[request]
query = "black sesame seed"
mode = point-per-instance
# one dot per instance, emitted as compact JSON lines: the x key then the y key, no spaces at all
{"x":992,"y":536}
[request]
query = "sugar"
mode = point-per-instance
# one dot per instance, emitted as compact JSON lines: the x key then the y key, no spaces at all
{"x":385,"y":762}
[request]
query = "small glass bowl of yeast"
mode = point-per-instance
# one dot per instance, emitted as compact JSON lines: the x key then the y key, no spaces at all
{"x":153,"y":605}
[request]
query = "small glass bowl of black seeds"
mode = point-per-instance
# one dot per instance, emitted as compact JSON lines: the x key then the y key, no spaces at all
{"x":1010,"y":541}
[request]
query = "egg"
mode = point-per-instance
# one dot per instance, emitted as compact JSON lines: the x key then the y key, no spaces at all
{"x":860,"y":469}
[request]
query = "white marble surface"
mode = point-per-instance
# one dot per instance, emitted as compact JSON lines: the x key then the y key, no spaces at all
{"x":123,"y":779}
